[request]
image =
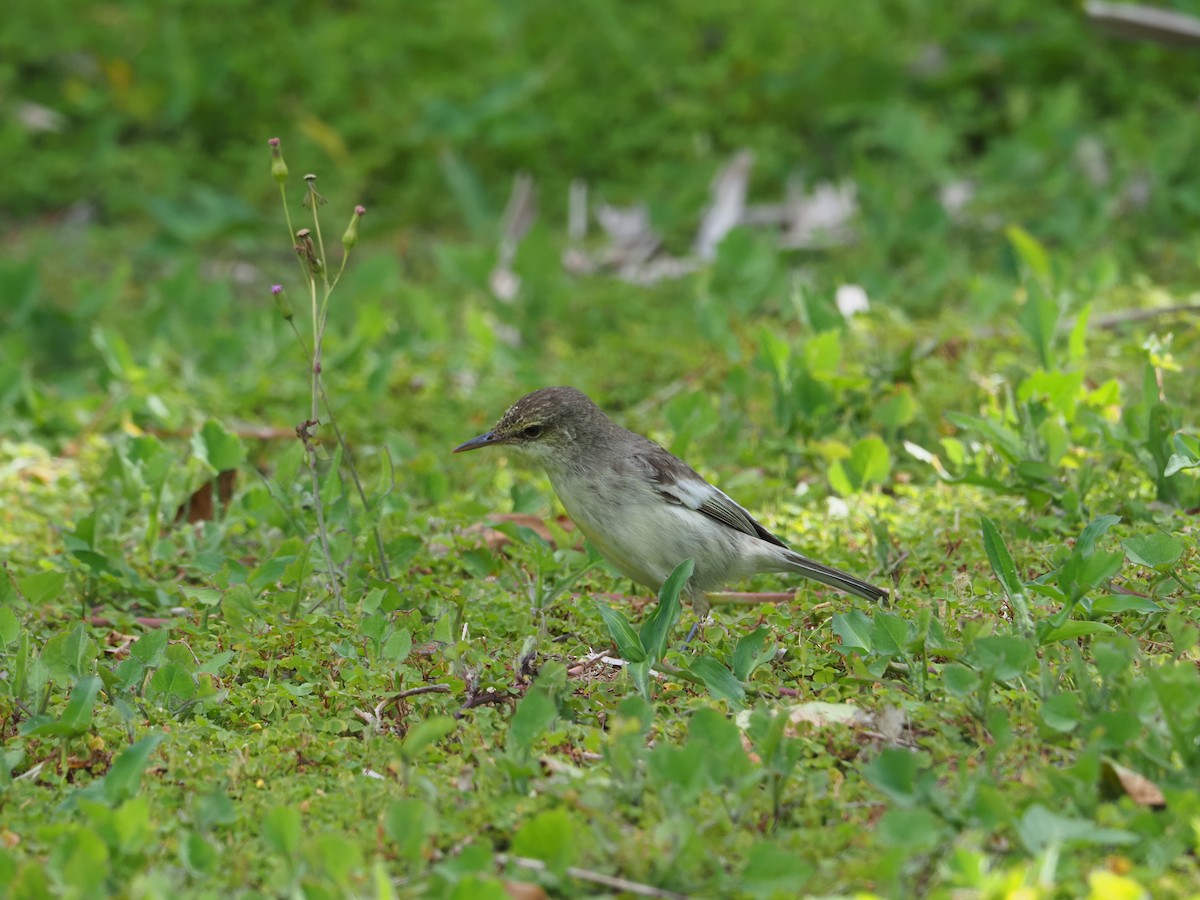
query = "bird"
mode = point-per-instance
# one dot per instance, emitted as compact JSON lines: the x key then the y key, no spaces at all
{"x":644,"y":509}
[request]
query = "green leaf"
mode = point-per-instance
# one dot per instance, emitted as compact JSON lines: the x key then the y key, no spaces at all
{"x":890,"y":634}
{"x":629,"y":645}
{"x":895,"y":772}
{"x":656,"y":631}
{"x":1061,"y":712}
{"x":77,"y":717}
{"x":42,"y":587}
{"x":1114,"y":604}
{"x":1096,"y":529}
{"x":409,"y":823}
{"x":959,"y":680}
{"x":550,"y":836}
{"x":1153,"y":550}
{"x":773,"y":871}
{"x":1073,"y":629}
{"x":281,"y":830}
{"x":174,"y":681}
{"x":1003,"y":656}
{"x":534,"y":714}
{"x":397,"y":647}
{"x":125,"y":775}
{"x":10,"y":627}
{"x":148,"y":649}
{"x":752,"y":651}
{"x":869,"y":463}
{"x":219,"y":447}
{"x":425,"y":734}
{"x":200,"y":596}
{"x":913,"y":830}
{"x":1001,"y":560}
{"x":854,"y":628}
{"x":69,"y":655}
{"x":1030,"y":251}
{"x":719,"y":680}
{"x":1040,"y":829}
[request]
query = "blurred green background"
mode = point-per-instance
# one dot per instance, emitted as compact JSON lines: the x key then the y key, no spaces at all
{"x":141,"y":351}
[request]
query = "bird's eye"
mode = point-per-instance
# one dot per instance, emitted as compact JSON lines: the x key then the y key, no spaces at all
{"x":532,"y":432}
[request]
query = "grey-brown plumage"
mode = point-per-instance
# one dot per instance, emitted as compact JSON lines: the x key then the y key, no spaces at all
{"x":645,"y":510}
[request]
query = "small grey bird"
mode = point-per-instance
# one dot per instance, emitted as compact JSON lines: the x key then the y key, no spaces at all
{"x":644,"y":509}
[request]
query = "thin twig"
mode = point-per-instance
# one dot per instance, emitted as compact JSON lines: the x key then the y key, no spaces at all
{"x":423,"y":689}
{"x":609,"y":881}
{"x":1112,"y":320}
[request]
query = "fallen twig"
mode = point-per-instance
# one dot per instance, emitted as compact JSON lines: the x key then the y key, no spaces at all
{"x":610,"y":881}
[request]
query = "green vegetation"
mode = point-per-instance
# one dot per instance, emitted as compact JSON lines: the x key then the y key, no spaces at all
{"x":235,"y":662}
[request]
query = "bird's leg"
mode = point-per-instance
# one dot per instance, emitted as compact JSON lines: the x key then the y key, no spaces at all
{"x":700,"y":606}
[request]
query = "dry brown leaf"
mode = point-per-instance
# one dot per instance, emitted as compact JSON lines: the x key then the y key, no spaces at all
{"x":1116,"y":779}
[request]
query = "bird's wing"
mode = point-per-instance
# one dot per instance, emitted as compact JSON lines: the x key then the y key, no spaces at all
{"x":678,"y":483}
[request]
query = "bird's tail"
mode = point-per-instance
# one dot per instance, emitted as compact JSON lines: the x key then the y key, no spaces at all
{"x":843,"y":581}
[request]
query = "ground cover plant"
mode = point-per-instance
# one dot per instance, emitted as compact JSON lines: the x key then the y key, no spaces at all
{"x":261,"y":634}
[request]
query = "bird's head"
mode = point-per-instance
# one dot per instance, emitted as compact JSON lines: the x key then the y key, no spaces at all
{"x":546,"y":424}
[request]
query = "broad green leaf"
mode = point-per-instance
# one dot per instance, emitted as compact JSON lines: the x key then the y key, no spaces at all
{"x":68,"y":655}
{"x":720,"y":681}
{"x":1040,"y":829}
{"x":200,"y":596}
{"x":912,"y":830}
{"x":213,"y":666}
{"x":869,"y":463}
{"x":656,"y":631}
{"x":1072,"y":629}
{"x":1096,"y":529}
{"x":752,"y":651}
{"x":77,"y":717}
{"x":854,"y":628}
{"x":398,"y":645}
{"x":10,"y":627}
{"x":890,"y":634}
{"x":42,"y":587}
{"x":409,"y":823}
{"x":426,"y":733}
{"x":148,"y":649}
{"x":1153,"y":550}
{"x":534,"y":714}
{"x":629,"y":645}
{"x":959,"y":680}
{"x":125,"y":775}
{"x":174,"y":681}
{"x":281,"y":830}
{"x":219,"y":447}
{"x":552,"y":837}
{"x":1061,"y":712}
{"x":1003,"y":656}
{"x":1114,"y":604}
{"x":773,"y":871}
{"x":895,"y":772}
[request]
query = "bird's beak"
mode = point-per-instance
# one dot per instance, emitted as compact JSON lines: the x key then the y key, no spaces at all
{"x":476,"y":442}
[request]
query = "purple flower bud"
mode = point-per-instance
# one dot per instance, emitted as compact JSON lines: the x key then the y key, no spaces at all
{"x":281,"y":302}
{"x":279,"y":169}
{"x":350,"y":238}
